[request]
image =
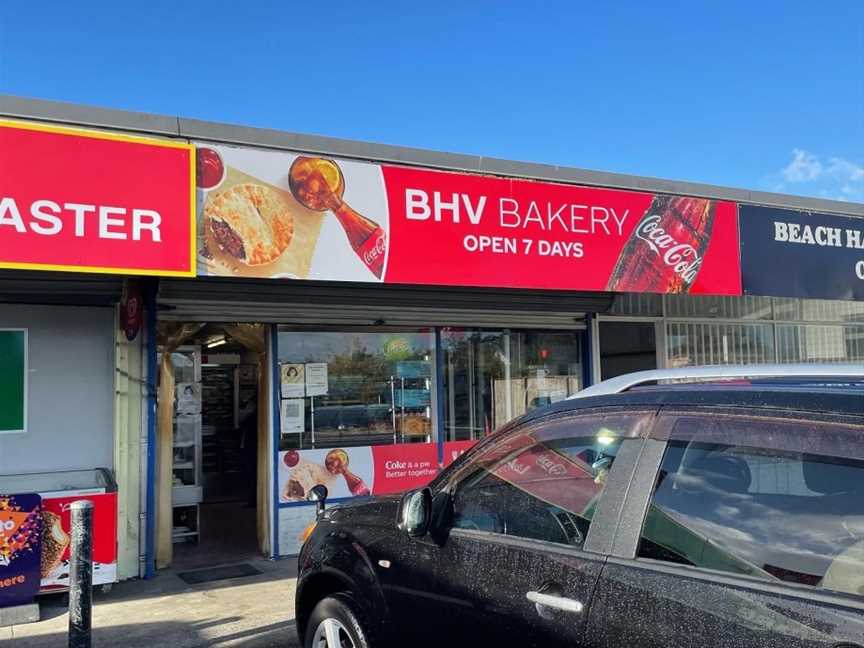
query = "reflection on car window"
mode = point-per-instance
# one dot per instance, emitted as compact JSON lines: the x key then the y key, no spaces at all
{"x":779,"y":501}
{"x":542,"y":482}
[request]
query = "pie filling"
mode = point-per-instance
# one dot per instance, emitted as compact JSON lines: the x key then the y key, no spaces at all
{"x":227,"y":239}
{"x":294,"y":489}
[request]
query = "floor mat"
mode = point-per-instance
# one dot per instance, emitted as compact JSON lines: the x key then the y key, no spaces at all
{"x":208,"y":574}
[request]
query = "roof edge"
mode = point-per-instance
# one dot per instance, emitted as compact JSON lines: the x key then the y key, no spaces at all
{"x":194,"y":129}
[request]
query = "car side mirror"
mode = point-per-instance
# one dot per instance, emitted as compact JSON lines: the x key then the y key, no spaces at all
{"x":318,"y":494}
{"x":415,"y":512}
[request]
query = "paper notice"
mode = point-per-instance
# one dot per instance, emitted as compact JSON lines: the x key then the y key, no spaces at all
{"x":293,"y":411}
{"x":316,"y":379}
{"x":292,"y":379}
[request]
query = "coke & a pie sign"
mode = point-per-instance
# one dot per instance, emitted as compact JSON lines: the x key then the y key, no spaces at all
{"x":94,"y":201}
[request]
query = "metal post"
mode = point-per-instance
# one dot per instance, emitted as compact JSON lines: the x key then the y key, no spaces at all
{"x":312,"y":418}
{"x":402,"y":423}
{"x":393,"y":405}
{"x":81,"y":575}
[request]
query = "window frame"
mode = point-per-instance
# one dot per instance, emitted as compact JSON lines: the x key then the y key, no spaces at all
{"x":600,"y":536}
{"x":638,"y":499}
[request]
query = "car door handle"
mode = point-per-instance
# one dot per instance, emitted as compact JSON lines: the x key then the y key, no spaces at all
{"x":557,"y":602}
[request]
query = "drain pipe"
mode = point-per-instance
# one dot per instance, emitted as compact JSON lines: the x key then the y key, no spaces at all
{"x":150,"y":496}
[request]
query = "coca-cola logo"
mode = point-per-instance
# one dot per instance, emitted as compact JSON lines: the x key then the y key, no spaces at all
{"x":551,"y":466}
{"x":518,"y":468}
{"x":681,"y":257}
{"x":376,"y":250}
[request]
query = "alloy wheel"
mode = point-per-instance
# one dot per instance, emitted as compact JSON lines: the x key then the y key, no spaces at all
{"x":330,"y":633}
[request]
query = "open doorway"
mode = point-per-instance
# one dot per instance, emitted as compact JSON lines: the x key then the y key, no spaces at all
{"x":217,"y":446}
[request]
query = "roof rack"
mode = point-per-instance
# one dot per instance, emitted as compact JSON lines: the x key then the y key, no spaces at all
{"x":722,"y":372}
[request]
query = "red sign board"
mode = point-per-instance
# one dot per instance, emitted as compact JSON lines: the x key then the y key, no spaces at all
{"x":471,"y":230}
{"x":345,"y":220}
{"x":94,"y":201}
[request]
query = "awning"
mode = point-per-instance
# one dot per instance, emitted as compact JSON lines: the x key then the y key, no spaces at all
{"x":324,"y":303}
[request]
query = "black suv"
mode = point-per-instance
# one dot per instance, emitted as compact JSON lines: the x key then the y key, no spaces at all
{"x":723,"y":514}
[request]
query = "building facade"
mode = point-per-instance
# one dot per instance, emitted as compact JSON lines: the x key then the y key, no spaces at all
{"x":215,"y":318}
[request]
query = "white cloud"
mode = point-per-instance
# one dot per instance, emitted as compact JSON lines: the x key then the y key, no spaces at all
{"x":844,"y":170}
{"x":804,"y":167}
{"x":806,"y":173}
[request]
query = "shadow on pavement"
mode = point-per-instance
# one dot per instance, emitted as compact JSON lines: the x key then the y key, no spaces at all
{"x":179,"y":635}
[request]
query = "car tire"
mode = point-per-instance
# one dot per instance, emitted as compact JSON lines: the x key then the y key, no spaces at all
{"x":337,"y":614}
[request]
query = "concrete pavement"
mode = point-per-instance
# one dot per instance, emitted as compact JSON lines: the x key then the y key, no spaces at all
{"x":254,"y":611}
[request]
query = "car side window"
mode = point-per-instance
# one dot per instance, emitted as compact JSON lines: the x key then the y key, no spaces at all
{"x":771,"y":498}
{"x":543,"y":481}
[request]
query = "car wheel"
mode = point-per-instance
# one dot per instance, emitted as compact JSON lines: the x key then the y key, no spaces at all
{"x":335,"y":623}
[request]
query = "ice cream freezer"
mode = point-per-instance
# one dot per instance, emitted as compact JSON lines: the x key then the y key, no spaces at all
{"x":58,"y":490}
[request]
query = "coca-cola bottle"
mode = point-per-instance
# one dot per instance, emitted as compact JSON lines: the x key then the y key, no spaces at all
{"x":355,"y":484}
{"x":336,"y":462}
{"x":667,"y":247}
{"x":318,"y":184}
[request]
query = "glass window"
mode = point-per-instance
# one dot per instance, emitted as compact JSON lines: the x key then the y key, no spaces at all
{"x":637,"y":305}
{"x":818,"y":310}
{"x":493,"y":376}
{"x":626,"y":347}
{"x":718,"y":307}
{"x":376,"y":388}
{"x":689,"y":344}
{"x":542,"y":482}
{"x":819,"y":343}
{"x":773,"y":499}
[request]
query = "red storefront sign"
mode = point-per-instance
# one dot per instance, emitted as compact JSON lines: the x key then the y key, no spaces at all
{"x":341,"y":220}
{"x":468,"y":230}
{"x":95,"y":201}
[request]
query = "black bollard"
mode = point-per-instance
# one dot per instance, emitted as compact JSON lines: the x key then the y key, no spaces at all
{"x":81,"y":575}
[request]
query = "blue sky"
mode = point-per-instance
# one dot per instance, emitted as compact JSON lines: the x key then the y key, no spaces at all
{"x":764,"y":95}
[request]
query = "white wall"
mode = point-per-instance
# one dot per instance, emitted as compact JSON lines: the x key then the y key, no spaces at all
{"x":70,"y":392}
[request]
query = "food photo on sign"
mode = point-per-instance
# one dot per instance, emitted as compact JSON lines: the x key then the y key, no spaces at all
{"x":345,"y":472}
{"x":282,"y":215}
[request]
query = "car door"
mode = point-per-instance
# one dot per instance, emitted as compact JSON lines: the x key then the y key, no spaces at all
{"x":518,"y":562}
{"x":741,"y":528}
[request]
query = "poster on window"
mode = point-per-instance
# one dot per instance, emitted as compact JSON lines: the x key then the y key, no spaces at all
{"x":346,"y":472}
{"x":316,"y":379}
{"x":188,"y":398}
{"x":293,"y":416}
{"x":293,"y":380}
{"x":368,"y":470}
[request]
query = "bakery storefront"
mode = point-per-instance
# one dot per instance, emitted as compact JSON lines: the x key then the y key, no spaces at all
{"x":360,"y":315}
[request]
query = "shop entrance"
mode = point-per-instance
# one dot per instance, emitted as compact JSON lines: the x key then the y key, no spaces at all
{"x":626,"y":347}
{"x":216,"y":444}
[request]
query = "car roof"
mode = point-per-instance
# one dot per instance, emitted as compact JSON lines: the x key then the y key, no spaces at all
{"x":799,"y":396}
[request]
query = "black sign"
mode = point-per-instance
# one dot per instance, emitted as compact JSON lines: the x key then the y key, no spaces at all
{"x":786,"y":253}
